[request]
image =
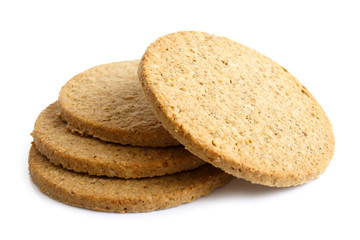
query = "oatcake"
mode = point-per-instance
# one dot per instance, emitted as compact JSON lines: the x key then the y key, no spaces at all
{"x":93,"y":156}
{"x":120,"y":195}
{"x":236,"y":109}
{"x":107,"y":102}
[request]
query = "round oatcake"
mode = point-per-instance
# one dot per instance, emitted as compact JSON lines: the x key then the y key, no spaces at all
{"x":107,"y":102}
{"x":96,"y":157}
{"x":120,"y":195}
{"x":236,"y":109}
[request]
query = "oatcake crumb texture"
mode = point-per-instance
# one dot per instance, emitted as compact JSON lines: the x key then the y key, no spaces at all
{"x":236,"y":109}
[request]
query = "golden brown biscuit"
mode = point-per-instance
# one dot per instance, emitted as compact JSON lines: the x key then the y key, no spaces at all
{"x":96,"y":157}
{"x":107,"y":102}
{"x":120,"y":195}
{"x":236,"y":109}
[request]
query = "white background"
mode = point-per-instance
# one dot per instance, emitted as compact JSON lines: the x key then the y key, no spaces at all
{"x":45,"y":43}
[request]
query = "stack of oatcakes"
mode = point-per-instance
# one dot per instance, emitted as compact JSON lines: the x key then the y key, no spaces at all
{"x":154,"y":133}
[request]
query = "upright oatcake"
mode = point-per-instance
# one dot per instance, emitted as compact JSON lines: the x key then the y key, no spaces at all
{"x":107,"y":102}
{"x":236,"y":109}
{"x":93,"y":156}
{"x":120,"y":195}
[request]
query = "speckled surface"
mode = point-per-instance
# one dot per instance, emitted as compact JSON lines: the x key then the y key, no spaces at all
{"x":236,"y":109}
